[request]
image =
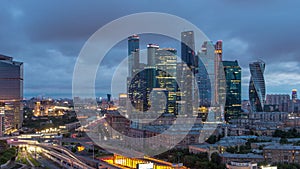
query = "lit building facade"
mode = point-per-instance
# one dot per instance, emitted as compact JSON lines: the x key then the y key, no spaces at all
{"x":282,"y":153}
{"x":257,"y":88}
{"x":233,"y":76}
{"x":134,"y":79}
{"x":2,"y":119}
{"x":188,"y":68}
{"x":11,"y":91}
{"x":166,"y":77}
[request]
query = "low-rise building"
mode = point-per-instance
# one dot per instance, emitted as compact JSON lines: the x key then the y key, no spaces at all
{"x":250,"y":157}
{"x":241,"y":165}
{"x":282,"y":153}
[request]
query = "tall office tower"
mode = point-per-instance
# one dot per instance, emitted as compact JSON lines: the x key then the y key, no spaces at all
{"x":188,"y":50}
{"x":210,"y":78}
{"x":257,"y":88}
{"x":166,"y":66}
{"x":233,"y":76}
{"x":220,"y":80}
{"x":188,"y":57}
{"x":133,"y":79}
{"x":149,"y":73}
{"x":206,"y":72}
{"x":11,"y":91}
{"x":133,"y":54}
{"x":206,"y":76}
{"x":151,"y":54}
{"x":294,"y":95}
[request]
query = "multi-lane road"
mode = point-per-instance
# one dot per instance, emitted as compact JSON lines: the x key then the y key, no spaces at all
{"x":61,"y":155}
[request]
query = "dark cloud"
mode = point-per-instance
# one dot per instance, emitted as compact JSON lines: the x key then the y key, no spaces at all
{"x":48,"y":36}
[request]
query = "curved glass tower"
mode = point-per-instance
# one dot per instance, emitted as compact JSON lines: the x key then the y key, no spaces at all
{"x":257,"y":88}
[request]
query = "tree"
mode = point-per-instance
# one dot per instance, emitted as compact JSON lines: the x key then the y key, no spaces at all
{"x":283,"y":141}
{"x":215,"y":158}
{"x":212,"y":139}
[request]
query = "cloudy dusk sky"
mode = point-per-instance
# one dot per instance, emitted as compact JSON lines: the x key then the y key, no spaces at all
{"x":48,"y":36}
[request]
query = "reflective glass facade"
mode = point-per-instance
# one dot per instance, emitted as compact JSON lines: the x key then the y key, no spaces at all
{"x":257,"y":89}
{"x":233,"y":73}
{"x":11,"y":91}
{"x":133,"y":54}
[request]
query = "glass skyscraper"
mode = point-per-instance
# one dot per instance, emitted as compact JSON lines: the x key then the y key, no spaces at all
{"x":188,"y":57}
{"x":11,"y":91}
{"x":166,"y":66}
{"x":257,"y":88}
{"x":133,"y":54}
{"x":210,"y":77}
{"x":188,"y":50}
{"x":232,"y":72}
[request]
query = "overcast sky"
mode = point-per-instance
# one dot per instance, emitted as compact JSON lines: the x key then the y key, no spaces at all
{"x":48,"y":36}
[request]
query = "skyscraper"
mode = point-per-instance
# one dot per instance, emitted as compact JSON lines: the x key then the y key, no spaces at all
{"x":188,"y":50}
{"x":189,"y":58}
{"x":210,"y":77}
{"x":133,"y":79}
{"x":133,"y":54}
{"x":294,"y":95}
{"x":257,"y":88}
{"x":232,"y":72}
{"x":166,"y":77}
{"x":11,"y":91}
{"x":219,"y":76}
{"x":206,"y":72}
{"x":151,"y":54}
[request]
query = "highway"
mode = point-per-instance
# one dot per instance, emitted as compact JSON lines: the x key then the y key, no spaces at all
{"x":56,"y":153}
{"x":62,"y":156}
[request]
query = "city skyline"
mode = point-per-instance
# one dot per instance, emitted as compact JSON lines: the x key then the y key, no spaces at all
{"x":49,"y":55}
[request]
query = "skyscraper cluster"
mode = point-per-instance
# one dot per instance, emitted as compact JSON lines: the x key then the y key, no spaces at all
{"x":152,"y":86}
{"x":199,"y":78}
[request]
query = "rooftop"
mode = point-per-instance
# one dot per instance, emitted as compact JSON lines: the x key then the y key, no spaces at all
{"x":244,"y":156}
{"x":282,"y":147}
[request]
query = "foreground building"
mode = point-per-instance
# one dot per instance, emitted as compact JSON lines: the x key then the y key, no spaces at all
{"x":241,"y":165}
{"x":250,"y":157}
{"x":282,"y":153}
{"x":11,"y":91}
